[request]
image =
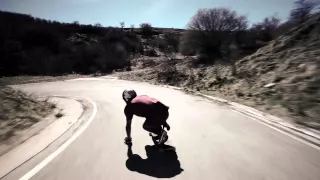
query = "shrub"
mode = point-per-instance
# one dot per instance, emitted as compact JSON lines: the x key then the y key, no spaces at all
{"x":151,"y":53}
{"x":303,"y":10}
{"x":267,"y":28}
{"x":146,"y":30}
{"x":172,"y":39}
{"x":188,"y":43}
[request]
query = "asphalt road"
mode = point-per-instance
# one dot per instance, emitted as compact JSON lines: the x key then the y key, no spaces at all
{"x":212,"y":141}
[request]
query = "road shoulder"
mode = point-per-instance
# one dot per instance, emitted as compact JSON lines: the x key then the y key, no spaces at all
{"x":303,"y":134}
{"x":42,"y":135}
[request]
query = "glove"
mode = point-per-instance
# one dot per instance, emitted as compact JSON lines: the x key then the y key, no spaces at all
{"x":128,"y":140}
{"x":167,"y":127}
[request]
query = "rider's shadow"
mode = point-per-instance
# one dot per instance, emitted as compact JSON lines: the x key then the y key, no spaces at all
{"x":159,"y":165}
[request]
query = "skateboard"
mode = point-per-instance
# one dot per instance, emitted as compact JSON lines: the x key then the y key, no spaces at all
{"x":167,"y":146}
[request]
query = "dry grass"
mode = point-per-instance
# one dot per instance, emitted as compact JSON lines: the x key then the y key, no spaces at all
{"x":36,"y":79}
{"x":20,"y":111}
{"x":292,"y":63}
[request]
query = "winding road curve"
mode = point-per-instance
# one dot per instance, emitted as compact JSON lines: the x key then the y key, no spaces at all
{"x":212,"y":141}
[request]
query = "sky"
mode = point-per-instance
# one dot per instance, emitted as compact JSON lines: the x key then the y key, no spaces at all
{"x":160,"y":13}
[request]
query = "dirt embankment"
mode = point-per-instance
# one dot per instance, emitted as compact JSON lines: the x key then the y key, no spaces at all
{"x":20,"y":111}
{"x":282,"y":78}
{"x":36,"y":79}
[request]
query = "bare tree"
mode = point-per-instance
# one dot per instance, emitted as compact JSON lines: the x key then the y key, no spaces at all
{"x":266,"y":29}
{"x":303,"y":9}
{"x":217,"y":19}
{"x":132,"y":27}
{"x":208,"y":31}
{"x":268,"y":24}
{"x":97,"y":25}
{"x":122,"y":25}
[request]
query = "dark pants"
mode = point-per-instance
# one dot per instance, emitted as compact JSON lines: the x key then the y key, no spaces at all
{"x":153,"y":123}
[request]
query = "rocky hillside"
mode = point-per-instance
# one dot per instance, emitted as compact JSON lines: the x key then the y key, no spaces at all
{"x":282,"y":78}
{"x":286,"y":72}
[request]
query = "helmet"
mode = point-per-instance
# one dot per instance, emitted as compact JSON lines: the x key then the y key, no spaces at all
{"x":128,"y":95}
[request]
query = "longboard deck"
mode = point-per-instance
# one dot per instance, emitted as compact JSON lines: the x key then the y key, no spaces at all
{"x":167,"y":146}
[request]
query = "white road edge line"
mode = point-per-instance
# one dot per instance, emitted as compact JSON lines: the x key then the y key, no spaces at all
{"x":49,"y":158}
{"x":279,"y":130}
{"x":212,"y":98}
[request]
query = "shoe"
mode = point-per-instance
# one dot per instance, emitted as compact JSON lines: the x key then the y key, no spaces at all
{"x":156,"y":137}
{"x":163,"y":137}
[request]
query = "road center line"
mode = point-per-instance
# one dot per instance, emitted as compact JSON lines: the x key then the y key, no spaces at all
{"x":49,"y":158}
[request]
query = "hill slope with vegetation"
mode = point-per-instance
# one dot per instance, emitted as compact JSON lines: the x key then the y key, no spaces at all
{"x":33,"y":46}
{"x":271,"y":65}
{"x":281,"y":77}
